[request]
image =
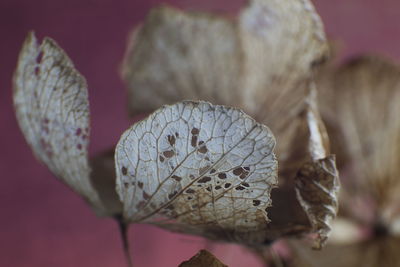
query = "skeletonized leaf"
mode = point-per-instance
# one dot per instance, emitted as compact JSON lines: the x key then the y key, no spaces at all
{"x":200,"y":169}
{"x":51,"y":102}
{"x":261,"y":62}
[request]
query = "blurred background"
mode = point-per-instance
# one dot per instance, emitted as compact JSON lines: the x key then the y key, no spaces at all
{"x":42,"y":222}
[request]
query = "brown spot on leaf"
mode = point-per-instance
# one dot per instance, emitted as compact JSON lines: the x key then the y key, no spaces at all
{"x":240,"y":188}
{"x":246,"y":184}
{"x":209,"y":188}
{"x":161,"y":158}
{"x":204,"y":179}
{"x":203,"y":149}
{"x":218,"y":187}
{"x":176,"y":178}
{"x":124,"y":170}
{"x":256,"y":202}
{"x":212,"y":171}
{"x":172,"y":195}
{"x":171,"y":140}
{"x":195,"y":131}
{"x":190,"y":191}
{"x":126,"y":185}
{"x":222,"y":175}
{"x":145,"y":195}
{"x":140,"y":184}
{"x":246,"y":168}
{"x":193,"y":141}
{"x":238,"y":171}
{"x":227,"y":185}
{"x":169,"y":153}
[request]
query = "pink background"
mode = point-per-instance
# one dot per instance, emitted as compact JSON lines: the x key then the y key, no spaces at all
{"x":42,"y":223}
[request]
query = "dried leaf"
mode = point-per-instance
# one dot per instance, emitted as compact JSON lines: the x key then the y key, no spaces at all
{"x":203,"y":259}
{"x":176,"y":56}
{"x":282,"y":40}
{"x":361,"y":102}
{"x":200,"y":169}
{"x":51,"y":102}
{"x":261,"y":63}
{"x":307,"y":197}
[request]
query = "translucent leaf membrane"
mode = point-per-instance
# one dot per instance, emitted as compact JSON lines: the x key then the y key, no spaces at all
{"x":260,"y":62}
{"x":200,"y":169}
{"x":51,"y":103}
{"x":360,"y":104}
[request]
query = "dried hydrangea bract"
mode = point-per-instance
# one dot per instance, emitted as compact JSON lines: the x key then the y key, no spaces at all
{"x":259,"y":62}
{"x":51,"y":102}
{"x":200,"y":169}
{"x":360,"y":105}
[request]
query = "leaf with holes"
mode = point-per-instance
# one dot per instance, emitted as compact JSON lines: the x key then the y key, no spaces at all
{"x":51,"y":103}
{"x":200,"y":169}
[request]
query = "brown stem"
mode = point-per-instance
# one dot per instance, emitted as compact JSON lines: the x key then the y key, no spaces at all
{"x":123,"y":229}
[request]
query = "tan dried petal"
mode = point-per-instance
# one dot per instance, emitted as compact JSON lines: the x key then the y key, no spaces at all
{"x":282,"y":40}
{"x":176,"y":56}
{"x":203,"y":259}
{"x":261,"y":63}
{"x":361,"y":102}
{"x":51,"y":103}
{"x":307,"y":198}
{"x":317,"y":188}
{"x":200,"y":169}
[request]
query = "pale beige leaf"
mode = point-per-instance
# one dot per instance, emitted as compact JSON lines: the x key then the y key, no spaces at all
{"x":51,"y":102}
{"x":261,"y":62}
{"x":203,"y":259}
{"x":200,"y":169}
{"x":282,"y":40}
{"x":361,"y":103}
{"x":177,"y":55}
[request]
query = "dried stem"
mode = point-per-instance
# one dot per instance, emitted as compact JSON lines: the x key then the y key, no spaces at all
{"x":123,"y":229}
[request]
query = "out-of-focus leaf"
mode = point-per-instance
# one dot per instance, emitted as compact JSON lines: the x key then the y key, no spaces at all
{"x":370,"y":253}
{"x":200,"y":169}
{"x":51,"y":103}
{"x":261,"y":62}
{"x":203,"y":259}
{"x":362,"y":102}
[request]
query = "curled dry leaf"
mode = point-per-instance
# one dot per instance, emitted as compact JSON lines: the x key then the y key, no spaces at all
{"x":360,"y":104}
{"x":259,"y":62}
{"x":51,"y":102}
{"x":203,"y":259}
{"x":200,"y":169}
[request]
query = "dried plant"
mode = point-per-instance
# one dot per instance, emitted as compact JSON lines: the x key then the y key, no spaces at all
{"x":192,"y":166}
{"x":360,"y":104}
